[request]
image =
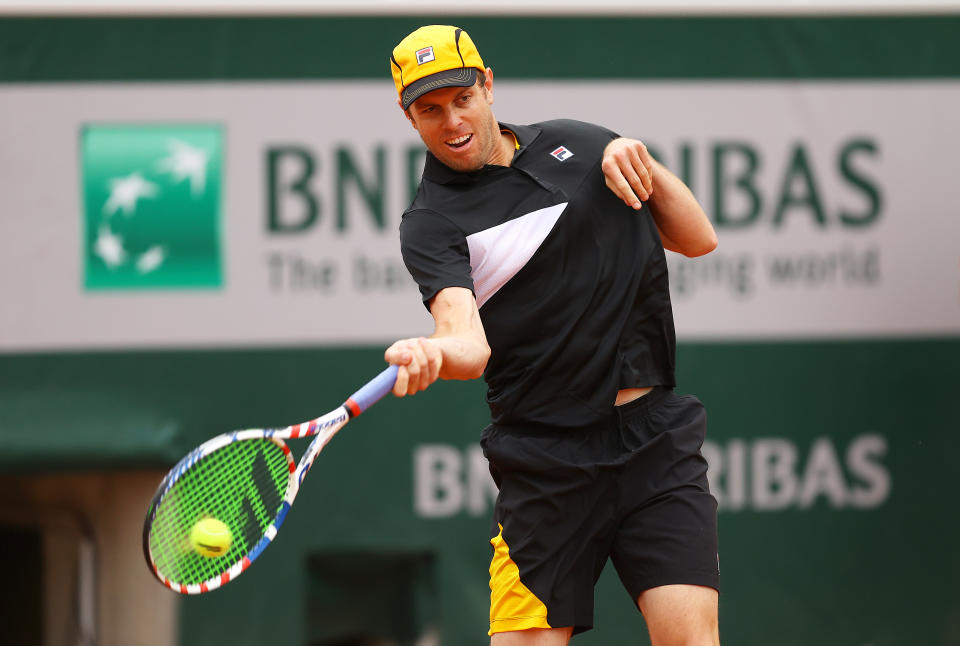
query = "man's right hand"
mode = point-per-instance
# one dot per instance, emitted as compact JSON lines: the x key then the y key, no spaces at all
{"x":419,"y":361}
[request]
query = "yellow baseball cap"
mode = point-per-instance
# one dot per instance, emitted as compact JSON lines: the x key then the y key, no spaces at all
{"x":434,"y":57}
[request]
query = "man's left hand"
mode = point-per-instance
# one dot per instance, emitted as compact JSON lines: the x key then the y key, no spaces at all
{"x":628,"y":168}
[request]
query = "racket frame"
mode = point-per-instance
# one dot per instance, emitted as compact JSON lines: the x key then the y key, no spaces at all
{"x":322,"y":429}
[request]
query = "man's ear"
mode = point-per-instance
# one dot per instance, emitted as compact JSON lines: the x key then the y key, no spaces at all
{"x":406,"y":113}
{"x":488,"y":85}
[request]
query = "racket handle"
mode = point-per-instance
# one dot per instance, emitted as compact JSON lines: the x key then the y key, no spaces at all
{"x":372,"y":392}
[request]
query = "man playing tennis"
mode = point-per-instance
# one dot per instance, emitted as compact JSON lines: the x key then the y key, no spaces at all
{"x":539,"y":251}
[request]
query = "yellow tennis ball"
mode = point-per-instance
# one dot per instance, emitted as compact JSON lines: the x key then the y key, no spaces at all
{"x":211,"y":537}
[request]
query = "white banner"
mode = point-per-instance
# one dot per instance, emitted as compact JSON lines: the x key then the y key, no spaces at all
{"x":266,"y":214}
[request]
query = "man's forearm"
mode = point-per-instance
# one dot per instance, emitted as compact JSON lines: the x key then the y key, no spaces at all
{"x":683,"y":225}
{"x":631,"y":172}
{"x":463,"y":357}
{"x":459,"y":334}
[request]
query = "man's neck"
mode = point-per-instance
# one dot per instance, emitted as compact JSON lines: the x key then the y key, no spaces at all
{"x":506,"y":146}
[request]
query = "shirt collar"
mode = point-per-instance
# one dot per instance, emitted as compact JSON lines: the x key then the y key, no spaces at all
{"x":435,"y":170}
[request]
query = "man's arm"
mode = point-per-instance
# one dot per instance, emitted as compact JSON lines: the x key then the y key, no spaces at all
{"x":457,"y":349}
{"x":634,"y":175}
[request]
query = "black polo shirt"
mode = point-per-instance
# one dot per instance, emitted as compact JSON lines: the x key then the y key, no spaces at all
{"x":571,"y":283}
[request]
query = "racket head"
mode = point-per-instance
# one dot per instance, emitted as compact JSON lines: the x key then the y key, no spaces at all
{"x":241,"y":479}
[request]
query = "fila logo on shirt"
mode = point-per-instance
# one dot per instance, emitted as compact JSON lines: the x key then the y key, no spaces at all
{"x":425,"y":55}
{"x":562,"y":154}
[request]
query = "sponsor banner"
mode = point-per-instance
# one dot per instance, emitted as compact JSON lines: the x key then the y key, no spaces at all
{"x":265,"y":214}
{"x":746,"y":475}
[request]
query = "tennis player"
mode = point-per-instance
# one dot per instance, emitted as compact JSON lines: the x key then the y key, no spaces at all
{"x":539,"y":251}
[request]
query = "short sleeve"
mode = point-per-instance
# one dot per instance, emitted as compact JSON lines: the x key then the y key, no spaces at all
{"x":435,"y":252}
{"x":582,"y":128}
{"x":610,"y":134}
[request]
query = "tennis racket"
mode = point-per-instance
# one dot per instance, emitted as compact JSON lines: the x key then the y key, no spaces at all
{"x":246,"y":480}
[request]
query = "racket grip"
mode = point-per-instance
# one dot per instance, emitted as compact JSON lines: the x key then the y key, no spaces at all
{"x":372,"y":392}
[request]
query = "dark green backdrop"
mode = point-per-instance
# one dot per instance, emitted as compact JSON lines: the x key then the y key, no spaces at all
{"x":822,"y":576}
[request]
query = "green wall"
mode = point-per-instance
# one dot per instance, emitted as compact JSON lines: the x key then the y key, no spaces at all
{"x":158,"y":49}
{"x":819,"y":575}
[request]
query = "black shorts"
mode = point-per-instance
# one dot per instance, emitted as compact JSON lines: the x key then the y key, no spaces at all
{"x":633,"y":489}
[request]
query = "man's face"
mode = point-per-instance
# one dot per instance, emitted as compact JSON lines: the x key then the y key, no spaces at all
{"x":457,"y":125}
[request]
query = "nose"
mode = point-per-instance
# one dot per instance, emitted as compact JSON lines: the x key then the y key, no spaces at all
{"x":451,"y":119}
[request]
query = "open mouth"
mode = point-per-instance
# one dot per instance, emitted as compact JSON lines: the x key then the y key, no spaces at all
{"x":460,"y":142}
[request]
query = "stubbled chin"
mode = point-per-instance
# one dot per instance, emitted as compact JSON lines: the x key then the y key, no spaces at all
{"x":461,"y":163}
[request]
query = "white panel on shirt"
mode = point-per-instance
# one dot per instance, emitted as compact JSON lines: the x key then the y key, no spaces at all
{"x":498,"y":253}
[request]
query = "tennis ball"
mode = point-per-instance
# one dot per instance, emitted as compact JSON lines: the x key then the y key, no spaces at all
{"x":210,"y":537}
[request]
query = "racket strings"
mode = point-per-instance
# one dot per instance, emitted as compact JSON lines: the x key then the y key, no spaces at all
{"x":242,"y":485}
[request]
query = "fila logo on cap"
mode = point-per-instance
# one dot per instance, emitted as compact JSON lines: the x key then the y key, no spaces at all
{"x":425,"y":55}
{"x":562,"y":154}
